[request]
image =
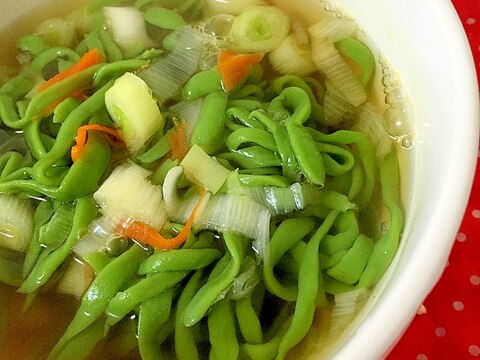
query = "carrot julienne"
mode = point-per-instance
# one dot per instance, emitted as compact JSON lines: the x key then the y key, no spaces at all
{"x":145,"y":234}
{"x":90,"y":58}
{"x":178,"y":141}
{"x":235,"y":67}
{"x":114,"y":139}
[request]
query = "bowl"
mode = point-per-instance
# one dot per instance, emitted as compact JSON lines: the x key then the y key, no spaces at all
{"x":425,"y":43}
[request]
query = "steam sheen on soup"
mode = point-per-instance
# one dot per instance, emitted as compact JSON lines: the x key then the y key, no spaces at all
{"x":195,"y":179}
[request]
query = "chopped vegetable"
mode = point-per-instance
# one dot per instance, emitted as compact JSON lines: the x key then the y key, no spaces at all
{"x":259,"y":28}
{"x":178,"y":141}
{"x":292,"y":57}
{"x":166,"y":75}
{"x":16,"y":222}
{"x":128,"y":30}
{"x":127,"y":185}
{"x":81,"y":138}
{"x":204,"y":170}
{"x":236,"y":67}
{"x":92,"y":57}
{"x":76,"y":279}
{"x":145,"y":234}
{"x":134,"y":111}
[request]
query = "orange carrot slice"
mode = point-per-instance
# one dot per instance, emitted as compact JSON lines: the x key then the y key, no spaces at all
{"x":235,"y":67}
{"x":90,"y":58}
{"x":178,"y":141}
{"x":81,"y":139}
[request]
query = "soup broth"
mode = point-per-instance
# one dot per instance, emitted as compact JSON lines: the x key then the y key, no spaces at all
{"x":194,"y":179}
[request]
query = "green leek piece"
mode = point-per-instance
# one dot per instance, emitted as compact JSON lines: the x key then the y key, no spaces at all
{"x":131,"y":105}
{"x":164,"y":18}
{"x":259,"y":29}
{"x":203,"y":169}
{"x":16,"y":222}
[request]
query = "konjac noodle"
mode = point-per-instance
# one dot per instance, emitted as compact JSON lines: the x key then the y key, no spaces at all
{"x":195,"y":179}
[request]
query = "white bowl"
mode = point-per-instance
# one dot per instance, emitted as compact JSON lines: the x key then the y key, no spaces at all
{"x":424,"y":41}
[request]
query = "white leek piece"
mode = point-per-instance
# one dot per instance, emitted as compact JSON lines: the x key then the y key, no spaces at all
{"x":279,"y":200}
{"x":76,"y":279}
{"x":127,"y":195}
{"x":244,"y":283}
{"x":331,"y":63}
{"x":135,"y":112}
{"x":336,"y":105}
{"x":188,"y":111}
{"x":235,"y":213}
{"x":203,"y":169}
{"x":345,"y":306}
{"x":16,"y":222}
{"x":127,"y":27}
{"x":100,"y":232}
{"x":232,"y":7}
{"x":178,"y":209}
{"x":238,"y":214}
{"x":292,"y":57}
{"x":259,"y":29}
{"x":371,"y":124}
{"x":168,"y":74}
{"x":332,"y":29}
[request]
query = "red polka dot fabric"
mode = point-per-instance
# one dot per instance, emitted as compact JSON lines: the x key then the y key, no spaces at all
{"x":449,"y":326}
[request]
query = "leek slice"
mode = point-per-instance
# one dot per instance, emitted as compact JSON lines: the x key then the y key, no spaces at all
{"x":345,"y":306}
{"x":131,"y":105}
{"x":179,"y":209}
{"x":238,"y":214}
{"x":259,"y":29}
{"x":128,"y":30}
{"x":189,"y":112}
{"x":202,"y":169}
{"x":127,"y":194}
{"x":279,"y":200}
{"x":233,"y":213}
{"x":370,"y":123}
{"x":336,"y":106}
{"x":244,"y":283}
{"x":100,"y":232}
{"x":332,"y":29}
{"x":76,"y":279}
{"x":331,"y":63}
{"x":16,"y":222}
{"x":232,"y":7}
{"x":168,"y":74}
{"x":292,"y":58}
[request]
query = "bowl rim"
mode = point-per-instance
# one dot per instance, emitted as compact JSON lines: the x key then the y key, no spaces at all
{"x":396,"y":306}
